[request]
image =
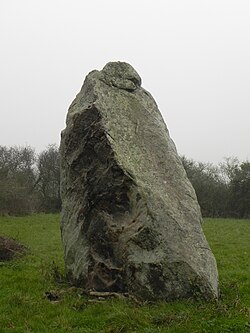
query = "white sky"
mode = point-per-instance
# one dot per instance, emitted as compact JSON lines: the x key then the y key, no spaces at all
{"x":192,"y":55}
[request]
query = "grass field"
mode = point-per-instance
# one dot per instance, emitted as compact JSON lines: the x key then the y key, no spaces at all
{"x":24,"y":282}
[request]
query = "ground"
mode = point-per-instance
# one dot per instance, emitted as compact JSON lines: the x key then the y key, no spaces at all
{"x":35,"y":298}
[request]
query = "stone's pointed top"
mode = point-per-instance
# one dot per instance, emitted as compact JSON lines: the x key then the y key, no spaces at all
{"x":121,"y":75}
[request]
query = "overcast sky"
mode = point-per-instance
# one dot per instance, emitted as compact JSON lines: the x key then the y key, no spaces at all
{"x":193,"y":56}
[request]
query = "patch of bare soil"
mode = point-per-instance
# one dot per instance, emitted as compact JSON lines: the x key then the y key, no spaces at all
{"x":10,"y":249}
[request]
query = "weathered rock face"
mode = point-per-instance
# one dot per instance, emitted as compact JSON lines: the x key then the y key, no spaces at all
{"x":130,"y":218}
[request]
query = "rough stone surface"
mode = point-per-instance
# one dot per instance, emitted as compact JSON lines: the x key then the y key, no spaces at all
{"x":130,"y":218}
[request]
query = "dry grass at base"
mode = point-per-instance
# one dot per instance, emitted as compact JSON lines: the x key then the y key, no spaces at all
{"x":10,"y":249}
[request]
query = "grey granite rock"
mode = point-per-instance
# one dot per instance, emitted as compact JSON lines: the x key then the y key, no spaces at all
{"x":130,"y":218}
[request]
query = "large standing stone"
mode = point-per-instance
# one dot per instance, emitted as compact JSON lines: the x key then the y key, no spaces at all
{"x":130,"y":217}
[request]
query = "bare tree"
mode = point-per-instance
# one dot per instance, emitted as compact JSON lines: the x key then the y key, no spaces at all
{"x":48,"y":182}
{"x":17,"y":179}
{"x":210,"y":187}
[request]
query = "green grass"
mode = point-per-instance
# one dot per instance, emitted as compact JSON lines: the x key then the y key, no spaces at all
{"x":23,"y":283}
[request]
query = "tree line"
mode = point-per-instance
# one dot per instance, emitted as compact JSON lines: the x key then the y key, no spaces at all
{"x":30,"y":182}
{"x":222,"y":190}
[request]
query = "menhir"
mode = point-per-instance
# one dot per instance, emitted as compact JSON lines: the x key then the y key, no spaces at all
{"x":130,"y":218}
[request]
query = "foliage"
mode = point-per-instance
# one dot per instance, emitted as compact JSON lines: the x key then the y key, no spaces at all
{"x":240,"y":190}
{"x":27,"y":282}
{"x":223,"y":190}
{"x":16,"y":179}
{"x":210,"y":187}
{"x":48,"y":183}
{"x":29,"y":183}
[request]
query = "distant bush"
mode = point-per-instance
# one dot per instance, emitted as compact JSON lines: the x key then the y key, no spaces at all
{"x":223,"y":190}
{"x":17,"y":177}
{"x":29,"y":183}
{"x":48,"y":181}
